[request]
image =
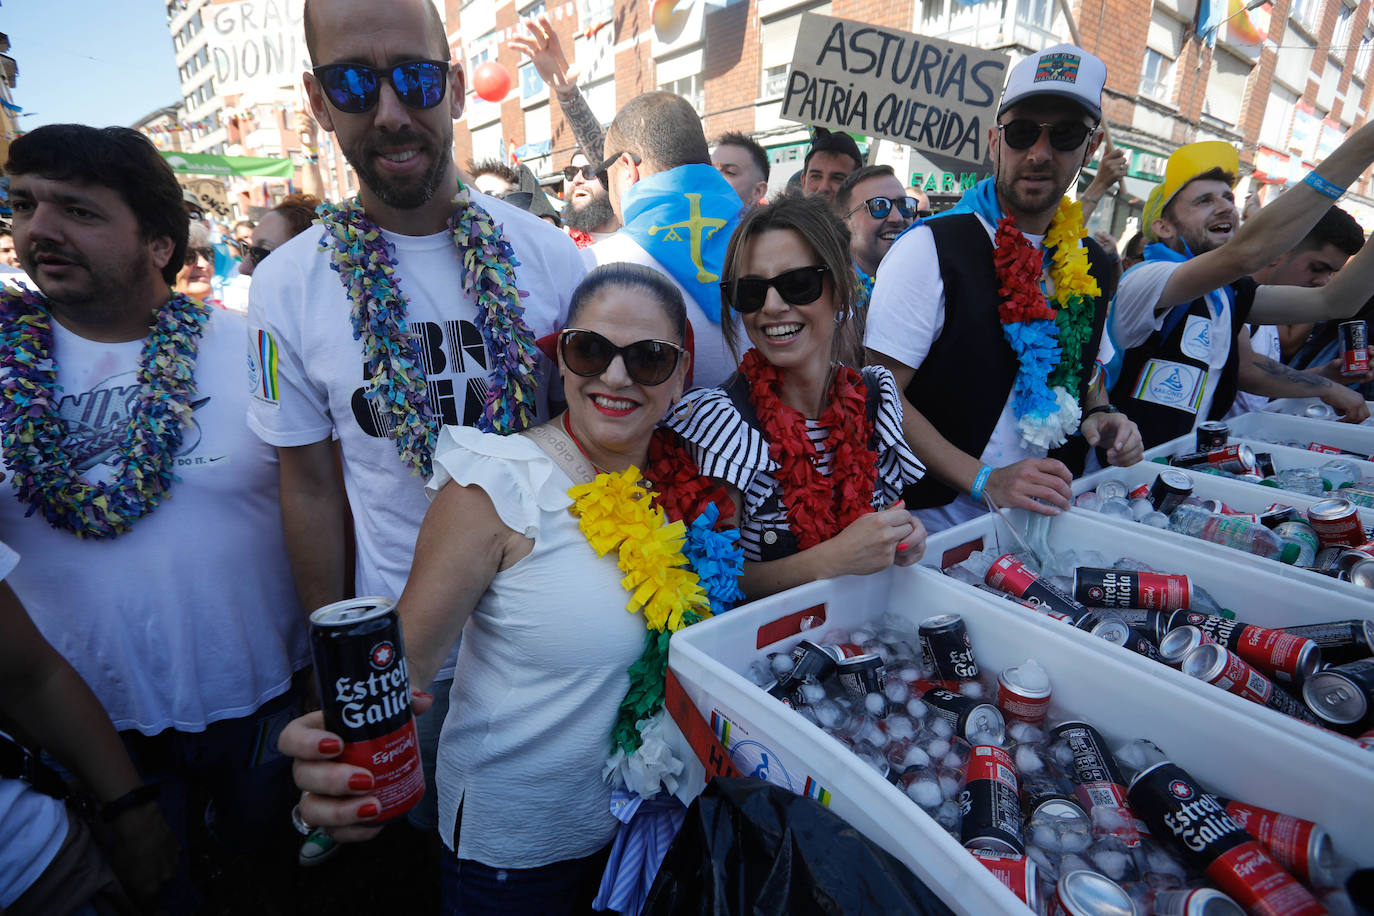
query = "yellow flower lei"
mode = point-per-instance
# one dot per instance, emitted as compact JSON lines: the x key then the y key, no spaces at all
{"x":1074,"y":290}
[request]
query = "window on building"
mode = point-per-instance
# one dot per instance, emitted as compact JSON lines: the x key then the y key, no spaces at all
{"x":1340,"y":37}
{"x":774,"y":81}
{"x":1157,"y":76}
{"x":592,"y":12}
{"x":1366,"y":56}
{"x":1293,"y":64}
{"x":1035,"y":22}
{"x":1225,"y":100}
{"x":681,"y":74}
{"x":1278,"y":117}
{"x":692,"y":88}
{"x":1306,"y":13}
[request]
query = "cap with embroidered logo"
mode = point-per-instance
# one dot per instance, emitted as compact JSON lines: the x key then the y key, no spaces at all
{"x":1064,"y":71}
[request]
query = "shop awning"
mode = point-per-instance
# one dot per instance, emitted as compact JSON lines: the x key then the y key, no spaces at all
{"x":224,"y":166}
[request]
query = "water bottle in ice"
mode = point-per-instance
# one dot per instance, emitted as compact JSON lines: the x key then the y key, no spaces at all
{"x":1300,"y":480}
{"x":1231,"y":531}
{"x":1339,"y":472}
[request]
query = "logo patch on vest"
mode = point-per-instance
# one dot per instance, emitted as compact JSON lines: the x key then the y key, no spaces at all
{"x":1197,"y":339}
{"x":1061,"y":68}
{"x":1172,"y":385}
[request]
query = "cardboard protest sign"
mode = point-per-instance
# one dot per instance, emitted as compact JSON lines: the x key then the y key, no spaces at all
{"x":925,"y":93}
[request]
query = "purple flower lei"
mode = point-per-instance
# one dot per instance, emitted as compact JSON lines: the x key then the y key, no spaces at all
{"x":363,"y":258}
{"x":32,"y":432}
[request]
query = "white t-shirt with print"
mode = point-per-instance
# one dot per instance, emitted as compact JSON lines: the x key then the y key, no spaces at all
{"x":905,"y":317}
{"x":190,"y":617}
{"x":307,"y":370}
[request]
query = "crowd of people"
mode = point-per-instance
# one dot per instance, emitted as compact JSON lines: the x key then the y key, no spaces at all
{"x":517,"y":420}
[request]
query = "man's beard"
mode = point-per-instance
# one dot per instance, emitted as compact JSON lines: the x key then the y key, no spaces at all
{"x":1029,"y":206}
{"x":408,"y":196}
{"x":105,"y":291}
{"x":591,"y":216}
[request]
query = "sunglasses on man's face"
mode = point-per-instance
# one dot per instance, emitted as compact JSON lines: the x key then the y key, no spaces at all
{"x":799,"y":286}
{"x":1065,"y":136}
{"x":603,"y":170}
{"x":588,"y":354}
{"x":588,"y":172}
{"x":355,"y":88}
{"x":880,"y":207}
{"x":206,"y":254}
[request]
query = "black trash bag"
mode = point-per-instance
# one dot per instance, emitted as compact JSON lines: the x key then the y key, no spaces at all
{"x":750,"y":847}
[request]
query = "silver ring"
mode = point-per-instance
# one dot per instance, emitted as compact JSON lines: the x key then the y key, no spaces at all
{"x":299,"y":823}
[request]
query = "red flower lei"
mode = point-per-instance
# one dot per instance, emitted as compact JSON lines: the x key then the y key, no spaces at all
{"x":1019,"y":267}
{"x":678,"y":486}
{"x":818,"y":507}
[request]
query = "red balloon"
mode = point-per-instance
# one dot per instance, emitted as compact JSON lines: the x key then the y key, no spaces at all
{"x":491,"y":81}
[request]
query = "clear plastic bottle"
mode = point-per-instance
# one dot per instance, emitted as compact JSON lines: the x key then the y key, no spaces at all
{"x":1338,"y":473}
{"x":1232,"y":531}
{"x":1300,"y":480}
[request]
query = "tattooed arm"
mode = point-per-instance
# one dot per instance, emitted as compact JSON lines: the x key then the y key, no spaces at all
{"x":545,"y":51}
{"x":1262,"y":375}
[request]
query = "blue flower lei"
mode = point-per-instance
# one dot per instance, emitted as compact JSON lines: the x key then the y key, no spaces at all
{"x":365,"y":263}
{"x":33,"y":433}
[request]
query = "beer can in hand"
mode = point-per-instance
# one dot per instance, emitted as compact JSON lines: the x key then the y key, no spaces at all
{"x":1354,"y":337}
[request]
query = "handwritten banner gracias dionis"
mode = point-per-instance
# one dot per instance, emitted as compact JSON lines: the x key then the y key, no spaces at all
{"x":925,"y":93}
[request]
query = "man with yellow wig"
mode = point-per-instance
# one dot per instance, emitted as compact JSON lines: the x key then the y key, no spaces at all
{"x":1178,"y":316}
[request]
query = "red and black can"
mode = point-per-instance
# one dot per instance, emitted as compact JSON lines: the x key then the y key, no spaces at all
{"x":1122,"y":588}
{"x":811,"y":664}
{"x":975,"y":720}
{"x":1016,"y":872}
{"x":1019,"y":701}
{"x":1010,"y":575}
{"x":1264,"y":464}
{"x":947,"y":649}
{"x":1115,"y":630}
{"x":1178,"y":642}
{"x":1154,"y":624}
{"x":1302,"y":847}
{"x":1097,"y":781}
{"x":1337,"y":523}
{"x":1169,"y":491}
{"x":1219,"y":666}
{"x":1354,"y":340}
{"x":1281,"y":655}
{"x":1340,"y":641}
{"x":1084,"y":892}
{"x":860,"y":675}
{"x":1211,"y":435}
{"x":1238,"y":459}
{"x":1343,"y":696}
{"x":365,"y":693}
{"x":991,"y":802}
{"x":1197,"y":901}
{"x":1173,"y":804}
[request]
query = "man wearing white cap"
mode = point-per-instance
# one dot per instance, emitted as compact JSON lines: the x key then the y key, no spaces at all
{"x":991,"y":314}
{"x":1179,"y":316}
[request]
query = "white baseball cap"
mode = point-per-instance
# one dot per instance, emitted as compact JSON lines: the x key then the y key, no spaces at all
{"x":1065,"y":71}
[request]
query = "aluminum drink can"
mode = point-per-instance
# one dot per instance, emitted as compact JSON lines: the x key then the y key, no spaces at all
{"x":1278,"y":654}
{"x":1175,"y":806}
{"x":1304,"y":535}
{"x":364,"y":687}
{"x":1018,"y":701}
{"x":1200,"y":901}
{"x":1113,"y":629}
{"x":1238,"y":459}
{"x":1211,"y":435}
{"x":947,"y":649}
{"x":1366,"y":740}
{"x":1177,"y":643}
{"x":1264,"y":464}
{"x":1169,"y":490}
{"x":1140,"y":492}
{"x":1357,"y":565}
{"x":1328,"y":561}
{"x":1340,"y":641}
{"x":860,"y":675}
{"x":1010,"y":575}
{"x":1302,"y":847}
{"x":1354,"y":338}
{"x":968,"y":715}
{"x":1343,"y":696}
{"x":1120,"y":588}
{"x":1337,"y":523}
{"x":1097,"y":781}
{"x":1154,"y":624}
{"x":1016,"y":872}
{"x":1219,"y":666}
{"x":991,"y":802}
{"x":1087,"y":893}
{"x":811,"y":663}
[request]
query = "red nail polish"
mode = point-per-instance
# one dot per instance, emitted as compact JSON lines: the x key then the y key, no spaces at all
{"x":360,"y":781}
{"x":422,"y":694}
{"x":368,"y":811}
{"x":330,"y":745}
{"x":901,"y":547}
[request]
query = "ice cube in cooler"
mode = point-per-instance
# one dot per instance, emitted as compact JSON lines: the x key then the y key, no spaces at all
{"x":971,"y":688}
{"x":1044,"y":835}
{"x":1156,"y":520}
{"x":916,"y":708}
{"x":1141,"y":508}
{"x":1108,"y":821}
{"x":1111,"y":862}
{"x":948,"y":815}
{"x":909,"y":674}
{"x":914,"y":756}
{"x":867,"y":730}
{"x":1071,"y":862}
{"x":925,"y":791}
{"x":875,"y":704}
{"x":835,"y":637}
{"x":1116,"y":507}
{"x":860,"y":635}
{"x":781,"y":663}
{"x":900,"y":728}
{"x":1089,"y":501}
{"x":1024,"y":733}
{"x":937,"y":748}
{"x":812,"y":693}
{"x":951,"y":781}
{"x":942,"y":728}
{"x":761,"y":673}
{"x":959,"y":753}
{"x":897,"y":691}
{"x":1047,"y":861}
{"x":1027,"y":760}
{"x":1160,"y":861}
{"x":829,"y":714}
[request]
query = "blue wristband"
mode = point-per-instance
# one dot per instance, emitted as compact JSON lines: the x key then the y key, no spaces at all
{"x":1322,"y":186}
{"x":980,"y":482}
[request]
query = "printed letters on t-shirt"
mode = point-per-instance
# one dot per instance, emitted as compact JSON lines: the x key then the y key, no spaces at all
{"x":448,"y":352}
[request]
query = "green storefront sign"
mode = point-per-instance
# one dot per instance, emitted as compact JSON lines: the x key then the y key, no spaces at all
{"x":944,"y":182}
{"x":225,"y":166}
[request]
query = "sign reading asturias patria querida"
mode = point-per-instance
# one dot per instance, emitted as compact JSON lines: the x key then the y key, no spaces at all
{"x":922,"y":92}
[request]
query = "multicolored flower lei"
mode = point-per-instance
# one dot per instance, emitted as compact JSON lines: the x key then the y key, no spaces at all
{"x":34,"y":434}
{"x":818,"y":506}
{"x":365,"y":262}
{"x":676,"y":573}
{"x":1048,"y":341}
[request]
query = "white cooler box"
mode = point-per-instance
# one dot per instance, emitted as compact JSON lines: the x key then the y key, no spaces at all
{"x":1228,"y":747}
{"x":1298,"y":407}
{"x":1264,"y":425}
{"x":1257,"y":594}
{"x":1285,"y":457}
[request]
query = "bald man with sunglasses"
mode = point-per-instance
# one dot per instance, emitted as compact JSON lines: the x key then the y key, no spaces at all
{"x":326,"y":365}
{"x":935,"y":318}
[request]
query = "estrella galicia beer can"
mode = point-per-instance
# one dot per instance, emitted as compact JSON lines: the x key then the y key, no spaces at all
{"x":1015,"y":871}
{"x":991,"y":802}
{"x":1123,"y":588}
{"x":1280,"y":655}
{"x":1097,"y":781}
{"x":1223,"y":668}
{"x":1302,"y":847}
{"x":1010,"y":575}
{"x":947,"y":649}
{"x":1202,"y":831}
{"x":365,"y":692}
{"x":1212,"y":434}
{"x":1341,"y":641}
{"x":1354,"y":338}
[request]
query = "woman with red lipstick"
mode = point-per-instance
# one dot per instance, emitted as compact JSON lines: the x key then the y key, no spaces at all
{"x":812,"y":448}
{"x":526,"y":548}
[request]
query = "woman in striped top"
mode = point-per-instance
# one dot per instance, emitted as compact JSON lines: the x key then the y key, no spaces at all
{"x":812,"y":449}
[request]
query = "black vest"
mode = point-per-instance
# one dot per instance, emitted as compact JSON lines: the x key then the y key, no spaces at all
{"x":963,"y":384}
{"x":1160,"y":422}
{"x":737,"y":387}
